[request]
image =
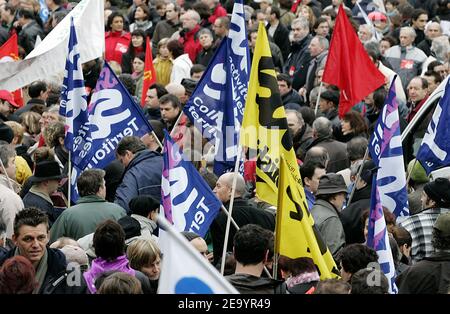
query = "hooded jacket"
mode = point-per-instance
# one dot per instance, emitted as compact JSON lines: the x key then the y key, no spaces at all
{"x":141,"y":176}
{"x":249,"y":284}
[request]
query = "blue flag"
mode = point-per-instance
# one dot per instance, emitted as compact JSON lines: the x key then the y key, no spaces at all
{"x":43,"y":11}
{"x":73,"y":106}
{"x":187,"y":200}
{"x":385,"y":147}
{"x":113,"y":114}
{"x":434,"y":152}
{"x":378,"y":239}
{"x":216,"y":106}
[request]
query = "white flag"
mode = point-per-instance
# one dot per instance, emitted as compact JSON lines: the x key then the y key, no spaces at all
{"x":184,"y":270}
{"x":47,"y":60}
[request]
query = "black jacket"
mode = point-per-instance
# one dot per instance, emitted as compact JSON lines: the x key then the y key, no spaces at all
{"x":337,"y":152}
{"x":244,"y":212}
{"x":351,"y":216}
{"x":249,"y":284}
{"x":297,"y":62}
{"x":28,"y":34}
{"x":57,"y":279}
{"x":292,"y":97}
{"x":281,"y":38}
{"x":429,"y":276}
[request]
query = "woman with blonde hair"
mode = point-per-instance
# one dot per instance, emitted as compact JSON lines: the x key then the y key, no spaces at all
{"x":32,"y":128}
{"x":144,"y":255}
{"x":163,"y":63}
{"x":307,"y":12}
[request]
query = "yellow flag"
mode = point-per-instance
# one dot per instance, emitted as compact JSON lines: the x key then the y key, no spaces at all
{"x":295,"y":234}
{"x":264,"y":126}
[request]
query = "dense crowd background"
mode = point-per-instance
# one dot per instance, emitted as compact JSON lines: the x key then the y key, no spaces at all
{"x":111,"y":233}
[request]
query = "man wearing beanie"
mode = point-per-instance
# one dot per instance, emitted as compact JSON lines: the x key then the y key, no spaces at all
{"x":435,"y":201}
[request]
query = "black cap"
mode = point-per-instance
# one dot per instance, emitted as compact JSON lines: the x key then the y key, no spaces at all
{"x":439,"y":191}
{"x":131,"y":226}
{"x":368,"y":171}
{"x":189,"y":85}
{"x":331,"y":95}
{"x":6,"y":133}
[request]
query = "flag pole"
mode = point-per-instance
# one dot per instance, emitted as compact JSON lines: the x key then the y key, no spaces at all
{"x":410,"y":172}
{"x":232,"y":220}
{"x":230,"y":210}
{"x":69,"y":176}
{"x":318,"y":98}
{"x":176,"y":123}
{"x":157,"y":140}
{"x":358,"y":176}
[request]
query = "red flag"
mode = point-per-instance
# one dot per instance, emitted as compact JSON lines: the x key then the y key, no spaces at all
{"x":149,"y":72}
{"x":349,"y":66}
{"x":9,"y":51}
{"x":295,"y":5}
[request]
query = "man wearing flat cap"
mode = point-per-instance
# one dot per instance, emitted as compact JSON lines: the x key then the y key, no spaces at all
{"x":432,"y":274}
{"x":330,"y":198}
{"x":45,"y":180}
{"x":435,"y":201}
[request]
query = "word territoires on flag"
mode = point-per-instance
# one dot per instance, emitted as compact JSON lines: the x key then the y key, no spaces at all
{"x":385,"y":147}
{"x":349,"y":66}
{"x":264,"y":126}
{"x":296,"y":235}
{"x":217,"y":104}
{"x":434,"y":152}
{"x":113,"y":114}
{"x":187,"y":200}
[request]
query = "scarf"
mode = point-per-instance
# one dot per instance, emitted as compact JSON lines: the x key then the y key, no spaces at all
{"x":41,"y":270}
{"x":302,"y":278}
{"x":99,"y":266}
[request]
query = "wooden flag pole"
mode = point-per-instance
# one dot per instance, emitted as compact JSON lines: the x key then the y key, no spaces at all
{"x":69,"y":177}
{"x":230,"y":209}
{"x":318,"y":98}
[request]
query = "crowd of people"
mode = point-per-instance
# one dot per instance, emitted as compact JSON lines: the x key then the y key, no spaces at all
{"x":107,"y":243}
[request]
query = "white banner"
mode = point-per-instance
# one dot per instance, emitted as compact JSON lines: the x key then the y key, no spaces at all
{"x":48,"y":59}
{"x":184,"y":270}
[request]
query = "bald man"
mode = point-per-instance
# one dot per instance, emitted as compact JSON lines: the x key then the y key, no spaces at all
{"x":244,"y":212}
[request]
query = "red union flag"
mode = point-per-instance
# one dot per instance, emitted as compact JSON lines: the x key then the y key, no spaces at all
{"x":349,"y":66}
{"x":149,"y":72}
{"x":9,"y":52}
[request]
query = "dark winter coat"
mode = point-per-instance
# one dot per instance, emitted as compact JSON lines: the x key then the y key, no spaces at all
{"x":351,"y":216}
{"x":429,"y":276}
{"x":244,"y":212}
{"x":142,"y":176}
{"x":55,"y":281}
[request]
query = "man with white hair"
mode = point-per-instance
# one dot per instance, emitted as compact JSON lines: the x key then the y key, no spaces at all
{"x":406,"y":59}
{"x":188,"y":36}
{"x":318,"y":49}
{"x":244,"y":212}
{"x":432,"y":30}
{"x":298,"y":59}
